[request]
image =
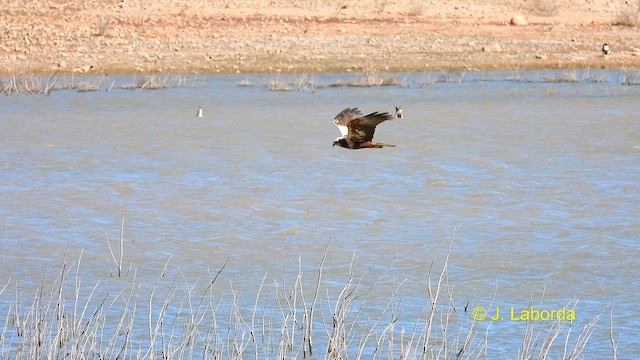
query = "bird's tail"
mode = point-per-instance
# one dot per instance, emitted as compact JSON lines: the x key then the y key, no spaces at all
{"x":378,"y":145}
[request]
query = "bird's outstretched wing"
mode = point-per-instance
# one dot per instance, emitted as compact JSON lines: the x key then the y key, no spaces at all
{"x":344,"y":117}
{"x":362,"y":128}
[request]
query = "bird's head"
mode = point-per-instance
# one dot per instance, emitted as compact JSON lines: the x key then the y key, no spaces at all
{"x":340,"y":142}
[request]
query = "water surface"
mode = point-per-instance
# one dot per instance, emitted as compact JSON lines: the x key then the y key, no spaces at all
{"x":536,"y":182}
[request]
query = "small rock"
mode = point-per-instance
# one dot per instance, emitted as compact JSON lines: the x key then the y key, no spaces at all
{"x":492,"y":48}
{"x":518,"y":20}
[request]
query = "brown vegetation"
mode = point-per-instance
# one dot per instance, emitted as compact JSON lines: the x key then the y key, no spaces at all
{"x":293,"y":315}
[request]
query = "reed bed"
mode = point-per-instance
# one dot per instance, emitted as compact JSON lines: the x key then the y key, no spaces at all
{"x":36,"y":85}
{"x":371,"y":77}
{"x":309,"y":83}
{"x":44,"y":85}
{"x":631,"y":77}
{"x":158,"y":82}
{"x":303,"y":83}
{"x":294,"y":315}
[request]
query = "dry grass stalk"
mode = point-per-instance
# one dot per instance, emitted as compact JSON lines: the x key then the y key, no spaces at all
{"x":152,"y":83}
{"x":371,"y":77}
{"x":302,"y":83}
{"x":158,"y":82}
{"x":43,"y":85}
{"x":596,"y":77}
{"x":65,"y":319}
{"x":31,"y":84}
{"x":452,"y":77}
{"x":568,"y":77}
{"x":118,"y":262}
{"x":631,"y":77}
{"x":245,"y":83}
{"x":305,"y":83}
{"x":614,"y":342}
{"x":275,"y":84}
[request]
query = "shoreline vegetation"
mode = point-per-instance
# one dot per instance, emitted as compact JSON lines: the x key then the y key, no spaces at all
{"x":126,"y":37}
{"x":293,"y":315}
{"x":45,"y":85}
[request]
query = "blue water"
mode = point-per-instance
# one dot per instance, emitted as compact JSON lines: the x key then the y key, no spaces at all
{"x":532,"y":182}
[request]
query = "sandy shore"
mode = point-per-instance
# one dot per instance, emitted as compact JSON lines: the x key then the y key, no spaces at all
{"x":249,"y":36}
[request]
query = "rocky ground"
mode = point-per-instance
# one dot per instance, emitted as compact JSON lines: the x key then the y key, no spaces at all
{"x":242,"y":36}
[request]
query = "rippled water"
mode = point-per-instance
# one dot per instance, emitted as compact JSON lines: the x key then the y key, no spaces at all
{"x":536,"y":182}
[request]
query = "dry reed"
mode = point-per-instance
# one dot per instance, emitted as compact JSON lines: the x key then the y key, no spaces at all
{"x":65,"y":318}
{"x":370,"y":77}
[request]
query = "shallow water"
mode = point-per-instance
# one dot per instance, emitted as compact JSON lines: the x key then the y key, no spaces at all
{"x":536,"y":182}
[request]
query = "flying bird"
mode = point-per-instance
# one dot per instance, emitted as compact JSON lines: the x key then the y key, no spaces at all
{"x":605,"y":49}
{"x":399,"y":112}
{"x":357,"y":130}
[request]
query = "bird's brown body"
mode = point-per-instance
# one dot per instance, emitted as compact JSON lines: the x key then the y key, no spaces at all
{"x":357,"y":130}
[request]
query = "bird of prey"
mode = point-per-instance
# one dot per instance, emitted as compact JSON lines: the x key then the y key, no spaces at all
{"x":357,"y":130}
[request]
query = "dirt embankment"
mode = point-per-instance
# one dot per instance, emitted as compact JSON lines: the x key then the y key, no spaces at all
{"x":184,"y":37}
